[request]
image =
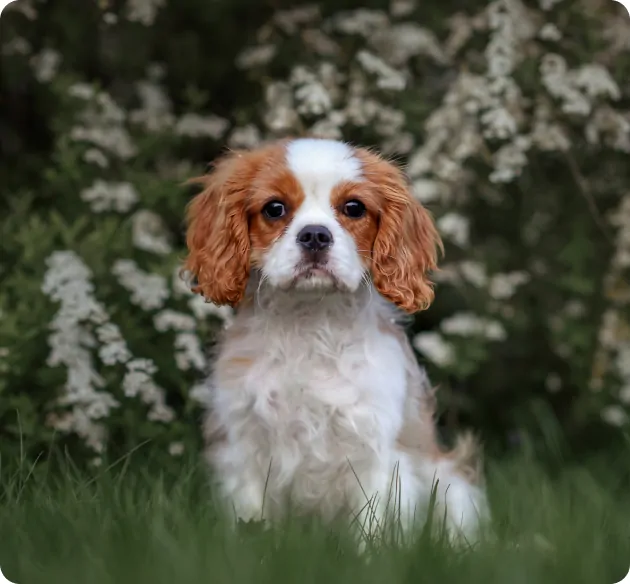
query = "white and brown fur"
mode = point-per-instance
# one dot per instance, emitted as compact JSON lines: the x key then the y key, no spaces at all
{"x":318,"y":404}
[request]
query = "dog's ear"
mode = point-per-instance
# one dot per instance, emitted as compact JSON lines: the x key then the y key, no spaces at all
{"x":217,"y":234}
{"x":407,"y":243}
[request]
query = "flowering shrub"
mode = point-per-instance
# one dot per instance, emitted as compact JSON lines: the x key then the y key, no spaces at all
{"x":513,"y":122}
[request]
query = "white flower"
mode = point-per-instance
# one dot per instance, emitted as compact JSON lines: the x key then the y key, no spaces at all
{"x":144,"y":365}
{"x":510,"y":160}
{"x":161,"y":413}
{"x":245,"y":137}
{"x":550,"y":32}
{"x":149,"y":233}
{"x":550,"y":136}
{"x":596,"y":81}
{"x":615,"y":416}
{"x":17,"y":45}
{"x":114,"y":349}
{"x":202,"y":309}
{"x":575,"y":309}
{"x":103,"y":196}
{"x":200,"y":393}
{"x":361,"y":110}
{"x":113,"y":353}
{"x":67,"y":281}
{"x":144,"y":11}
{"x":93,"y":433}
{"x":197,"y":126}
{"x":576,"y":89}
{"x":174,"y":321}
{"x":433,"y":346}
{"x":188,"y":352}
{"x":176,"y":448}
{"x":400,"y":8}
{"x":609,"y":127}
{"x":473,"y":272}
{"x":149,"y":291}
{"x":553,"y":383}
{"x":548,"y":4}
{"x":503,"y":286}
{"x":290,"y":20}
{"x":427,"y":191}
{"x":138,"y":382}
{"x":114,"y":139}
{"x":280,"y":114}
{"x":389,"y":121}
{"x":468,"y":324}
{"x":256,"y":56}
{"x":134,"y":381}
{"x":156,"y":111}
{"x":494,"y":331}
{"x":46,"y":65}
{"x":95,"y":156}
{"x":609,"y":330}
{"x":102,"y":123}
{"x":454,"y":227}
{"x":387,"y":77}
{"x":100,"y":407}
{"x":622,"y":361}
{"x":310,"y":94}
{"x":498,"y":123}
{"x":401,"y":143}
{"x":330,"y":126}
{"x":82,"y":91}
{"x":403,"y":41}
{"x":362,"y":21}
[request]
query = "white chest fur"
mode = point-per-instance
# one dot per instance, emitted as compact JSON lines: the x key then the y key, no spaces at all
{"x":308,"y":402}
{"x":313,"y":399}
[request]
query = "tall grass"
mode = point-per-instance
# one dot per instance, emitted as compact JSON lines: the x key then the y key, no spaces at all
{"x":128,"y":524}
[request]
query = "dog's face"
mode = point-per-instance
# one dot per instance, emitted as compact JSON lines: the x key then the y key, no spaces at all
{"x":310,"y":214}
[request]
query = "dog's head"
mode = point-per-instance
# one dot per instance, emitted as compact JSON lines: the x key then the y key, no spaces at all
{"x":310,"y":214}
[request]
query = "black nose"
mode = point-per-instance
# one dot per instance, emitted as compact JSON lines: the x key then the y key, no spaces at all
{"x":315,"y":238}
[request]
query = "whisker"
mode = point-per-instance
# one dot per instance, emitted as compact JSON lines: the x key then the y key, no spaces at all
{"x":368,"y":284}
{"x":258,"y":295}
{"x":370,"y":251}
{"x":377,"y":264}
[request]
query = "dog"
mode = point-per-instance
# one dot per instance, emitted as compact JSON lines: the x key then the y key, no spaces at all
{"x":318,"y":404}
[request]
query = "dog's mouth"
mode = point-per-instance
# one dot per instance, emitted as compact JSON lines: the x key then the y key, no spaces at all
{"x":314,"y":274}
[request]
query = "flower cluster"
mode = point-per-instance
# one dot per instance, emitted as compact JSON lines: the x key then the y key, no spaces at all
{"x":80,"y":326}
{"x":68,"y":282}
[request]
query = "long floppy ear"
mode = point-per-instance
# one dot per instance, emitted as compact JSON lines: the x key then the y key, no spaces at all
{"x":407,"y":243}
{"x":217,"y":235}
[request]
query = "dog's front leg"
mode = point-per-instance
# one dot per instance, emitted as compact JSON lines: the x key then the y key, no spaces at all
{"x":241,"y":485}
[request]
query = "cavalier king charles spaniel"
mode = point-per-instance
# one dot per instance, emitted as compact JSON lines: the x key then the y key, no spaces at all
{"x":317,"y":403}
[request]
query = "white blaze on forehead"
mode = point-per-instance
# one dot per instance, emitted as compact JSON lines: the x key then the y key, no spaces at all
{"x":319,"y":165}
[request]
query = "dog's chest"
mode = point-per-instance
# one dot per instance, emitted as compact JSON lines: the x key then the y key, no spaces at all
{"x":310,"y":392}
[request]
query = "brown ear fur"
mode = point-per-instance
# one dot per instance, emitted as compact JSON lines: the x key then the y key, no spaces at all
{"x":407,"y":243}
{"x":217,"y":236}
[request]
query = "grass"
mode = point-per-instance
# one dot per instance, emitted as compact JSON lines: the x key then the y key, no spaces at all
{"x":128,"y":525}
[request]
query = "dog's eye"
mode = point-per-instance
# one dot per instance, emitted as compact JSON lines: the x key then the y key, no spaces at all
{"x":274,"y":210}
{"x":354,"y":209}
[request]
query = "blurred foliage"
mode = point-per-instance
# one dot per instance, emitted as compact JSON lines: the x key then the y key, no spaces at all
{"x":142,"y":94}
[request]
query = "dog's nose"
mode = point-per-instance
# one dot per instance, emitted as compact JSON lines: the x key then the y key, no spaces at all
{"x":315,"y":238}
